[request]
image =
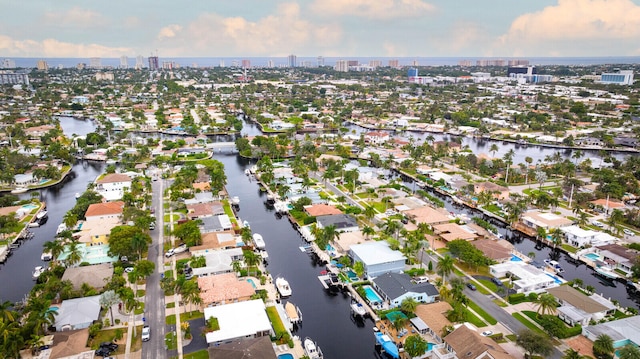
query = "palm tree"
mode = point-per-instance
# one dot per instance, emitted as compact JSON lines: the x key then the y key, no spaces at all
{"x":409,"y":305}
{"x":368,"y":231}
{"x":556,"y":237}
{"x":508,"y":157}
{"x":54,"y":247}
{"x":139,"y":243}
{"x":603,"y":347}
{"x":629,"y":351}
{"x":251,"y":258}
{"x":108,"y":299}
{"x":445,"y":267}
{"x":7,"y":313}
{"x":493,"y":149}
{"x":546,"y":304}
{"x":578,"y":282}
{"x":369,"y":212}
{"x":74,"y":256}
{"x":571,"y":354}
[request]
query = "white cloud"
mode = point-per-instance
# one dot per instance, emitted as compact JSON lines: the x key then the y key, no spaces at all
{"x":74,"y":17}
{"x":55,"y":48}
{"x":169,"y":31}
{"x":602,"y":22}
{"x":284,"y":32}
{"x":373,"y":9}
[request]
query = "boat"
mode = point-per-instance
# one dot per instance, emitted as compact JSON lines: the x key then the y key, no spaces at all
{"x":281,"y":207}
{"x":606,"y":272}
{"x":46,"y":256}
{"x":293,"y":313}
{"x":283,"y":287}
{"x":34,"y":224}
{"x":61,"y":228}
{"x":311,"y":349}
{"x":258,"y":241}
{"x":270,"y":198}
{"x":554,"y":265}
{"x":42,"y":215}
{"x":387,"y":344}
{"x":329,"y":280}
{"x":245,"y":223}
{"x":235,"y":200}
{"x":37,"y":271}
{"x":247,"y":172}
{"x":19,"y":190}
{"x":358,"y":309}
{"x":78,"y":195}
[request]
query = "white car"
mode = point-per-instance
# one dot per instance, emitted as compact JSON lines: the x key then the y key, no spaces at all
{"x":146,"y":333}
{"x":597,"y":224}
{"x":629,"y":232}
{"x":487,"y":333}
{"x":169,"y":253}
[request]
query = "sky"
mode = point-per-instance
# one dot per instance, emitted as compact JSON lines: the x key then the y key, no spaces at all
{"x":330,"y":28}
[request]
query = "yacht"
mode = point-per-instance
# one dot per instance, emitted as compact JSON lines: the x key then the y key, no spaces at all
{"x":554,"y":265}
{"x":387,"y":344}
{"x":41,"y":216}
{"x":235,"y":200}
{"x":283,"y":287}
{"x":61,"y":228}
{"x":37,"y":271}
{"x":358,"y":309}
{"x":311,"y":349}
{"x":19,"y":190}
{"x":258,"y":241}
{"x":293,"y":313}
{"x":46,"y":256}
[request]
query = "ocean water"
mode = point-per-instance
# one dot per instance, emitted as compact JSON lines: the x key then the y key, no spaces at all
{"x":328,"y":61}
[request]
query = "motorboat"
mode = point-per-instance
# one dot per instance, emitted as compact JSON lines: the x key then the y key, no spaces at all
{"x":311,"y":349}
{"x":19,"y":190}
{"x":281,"y":207}
{"x":42,"y":217}
{"x":358,"y":309}
{"x":37,"y":271}
{"x":606,"y":272}
{"x":235,"y":200}
{"x":258,"y":241}
{"x":283,"y":287}
{"x":245,"y":223}
{"x":247,"y":172}
{"x":554,"y":265}
{"x":78,"y":195}
{"x":46,"y":256}
{"x":61,"y":228}
{"x":387,"y":344}
{"x":293,"y":313}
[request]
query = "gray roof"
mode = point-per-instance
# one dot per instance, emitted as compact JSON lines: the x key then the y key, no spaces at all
{"x":78,"y":311}
{"x":340,"y":221}
{"x":395,"y":285}
{"x":621,"y":329}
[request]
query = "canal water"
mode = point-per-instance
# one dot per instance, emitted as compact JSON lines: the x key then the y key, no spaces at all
{"x":16,"y":272}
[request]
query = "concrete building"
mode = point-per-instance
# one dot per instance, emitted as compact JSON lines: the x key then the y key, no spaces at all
{"x":113,"y":186}
{"x":342,"y":66}
{"x":623,"y":77}
{"x":14,"y":78}
{"x":238,"y":321}
{"x":42,"y":65}
{"x":124,"y":62}
{"x":95,"y":63}
{"x":377,"y":258}
{"x":525,"y":278}
{"x":292,"y":60}
{"x":154,"y":64}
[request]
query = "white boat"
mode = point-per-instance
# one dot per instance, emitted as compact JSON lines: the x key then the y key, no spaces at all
{"x":19,"y":190}
{"x":46,"y":256}
{"x":245,"y":223}
{"x":606,"y":272}
{"x":311,"y":349}
{"x":235,"y":200}
{"x":258,"y":241}
{"x":61,"y":228}
{"x":293,"y":313}
{"x":358,"y":309}
{"x":283,"y":287}
{"x":554,"y":265}
{"x":41,"y":215}
{"x":247,"y":172}
{"x":37,"y":271}
{"x":78,"y":195}
{"x":281,"y":207}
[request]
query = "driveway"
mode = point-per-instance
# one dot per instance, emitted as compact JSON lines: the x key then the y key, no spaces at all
{"x":198,"y":341}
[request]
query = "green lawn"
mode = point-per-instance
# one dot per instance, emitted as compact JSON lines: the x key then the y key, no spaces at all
{"x":473,"y":319}
{"x":278,"y":327}
{"x":527,"y":323}
{"x":489,"y":284}
{"x":491,"y":320}
{"x":171,"y":319}
{"x":569,"y":248}
{"x":200,"y":354}
{"x":170,"y":341}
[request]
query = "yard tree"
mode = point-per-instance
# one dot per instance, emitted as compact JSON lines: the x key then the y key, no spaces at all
{"x":107,"y":300}
{"x":546,"y":303}
{"x":120,"y":241}
{"x":445,"y":267}
{"x":189,"y":233}
{"x":603,"y":347}
{"x":534,"y":343}
{"x":629,"y":351}
{"x":415,"y":345}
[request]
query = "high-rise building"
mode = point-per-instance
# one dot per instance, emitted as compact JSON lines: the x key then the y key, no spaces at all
{"x":42,"y":65}
{"x":465,"y":63}
{"x":95,"y":63}
{"x":221,"y":63}
{"x":415,"y":63}
{"x":353,"y":63}
{"x":270,"y":64}
{"x":139,"y":62}
{"x":375,"y":63}
{"x":124,"y":62}
{"x":246,"y":64}
{"x":412,"y":72}
{"x":234,"y":63}
{"x":8,"y":64}
{"x":342,"y":66}
{"x":394,"y":63}
{"x":292,"y":60}
{"x":513,"y":71}
{"x":154,"y":65}
{"x":13,"y":78}
{"x":624,"y":77}
{"x":517,"y":62}
{"x":320,"y":61}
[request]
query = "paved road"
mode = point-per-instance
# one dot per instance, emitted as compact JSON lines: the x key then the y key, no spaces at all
{"x":154,"y":302}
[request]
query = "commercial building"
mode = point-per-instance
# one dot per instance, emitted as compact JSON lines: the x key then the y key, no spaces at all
{"x":342,"y":66}
{"x":292,"y":60}
{"x":154,"y":65}
{"x":95,"y":63}
{"x":14,"y":78}
{"x":124,"y":62}
{"x":320,"y":61}
{"x":42,"y":65}
{"x":246,"y":64}
{"x":8,"y":64}
{"x":139,"y":62}
{"x":624,"y":77}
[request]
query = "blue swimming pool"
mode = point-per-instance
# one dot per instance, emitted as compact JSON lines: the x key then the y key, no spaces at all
{"x":30,"y":206}
{"x":430,"y":346}
{"x":592,"y":256}
{"x":555,"y":279}
{"x":285,"y":356}
{"x":371,"y":294}
{"x":252,"y":283}
{"x":515,"y":258}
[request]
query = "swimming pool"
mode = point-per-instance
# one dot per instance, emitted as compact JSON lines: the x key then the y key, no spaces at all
{"x":30,"y":206}
{"x":252,"y":283}
{"x":555,"y":279}
{"x":593,"y":256}
{"x":285,"y":356}
{"x":515,"y":258}
{"x":352,"y":275}
{"x":371,"y":294}
{"x":430,"y":346}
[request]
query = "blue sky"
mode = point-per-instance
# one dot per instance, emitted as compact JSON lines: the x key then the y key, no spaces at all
{"x":385,"y":28}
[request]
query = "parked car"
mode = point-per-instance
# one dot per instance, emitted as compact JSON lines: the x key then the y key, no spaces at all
{"x":496,"y":281}
{"x":103,"y":352}
{"x":146,"y":333}
{"x":471,"y":286}
{"x":421,"y":280}
{"x":109,"y":345}
{"x":487,"y":333}
{"x":597,"y":224}
{"x":169,"y":253}
{"x":179,"y":249}
{"x":628,"y":232}
{"x":152,"y":226}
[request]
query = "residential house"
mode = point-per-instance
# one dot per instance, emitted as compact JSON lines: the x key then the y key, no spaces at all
{"x":578,"y":237}
{"x":224,"y":288}
{"x":452,"y":231}
{"x":238,"y":321}
{"x":24,"y":179}
{"x":396,"y":287}
{"x":113,"y":185}
{"x":498,"y":192}
{"x":499,"y":251}
{"x":377,"y":258}
{"x":96,"y":231}
{"x":318,"y":210}
{"x":220,"y":261}
{"x":428,"y":215}
{"x":524,"y":277}
{"x":78,"y":313}
{"x":341,"y":222}
{"x":254,"y":348}
{"x":217,"y":223}
{"x":217,"y":240}
{"x":434,"y":315}
{"x":618,"y":257}
{"x":624,"y":331}
{"x":201,"y":210}
{"x":38,"y":131}
{"x":376,"y":137}
{"x":546,"y":220}
{"x":576,"y":308}
{"x":95,"y":276}
{"x":464,"y":342}
{"x":200,"y":197}
{"x":104,"y":211}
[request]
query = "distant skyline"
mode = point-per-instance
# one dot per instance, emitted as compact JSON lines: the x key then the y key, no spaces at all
{"x":330,"y":28}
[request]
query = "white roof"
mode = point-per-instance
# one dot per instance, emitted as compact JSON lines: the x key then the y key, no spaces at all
{"x":578,"y":232}
{"x":376,"y":253}
{"x":238,"y":320}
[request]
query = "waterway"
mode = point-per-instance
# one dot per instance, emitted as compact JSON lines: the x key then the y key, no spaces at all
{"x":16,"y":274}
